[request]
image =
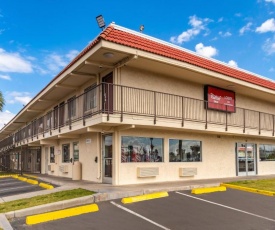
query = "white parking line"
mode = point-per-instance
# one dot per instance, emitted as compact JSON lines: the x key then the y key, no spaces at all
{"x":224,"y":206}
{"x":27,"y":186}
{"x":1,"y":180}
{"x":138,"y":215}
{"x":15,"y":182}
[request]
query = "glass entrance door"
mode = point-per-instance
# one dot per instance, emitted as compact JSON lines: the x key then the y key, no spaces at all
{"x":107,"y":158}
{"x":246,"y":159}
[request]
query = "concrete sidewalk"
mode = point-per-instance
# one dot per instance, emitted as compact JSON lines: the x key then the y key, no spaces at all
{"x":109,"y":192}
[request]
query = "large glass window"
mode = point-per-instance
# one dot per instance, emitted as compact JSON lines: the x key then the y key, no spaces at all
{"x":267,"y":152}
{"x":184,"y":150}
{"x":90,"y":97}
{"x":76,"y":151}
{"x":72,"y":107}
{"x":52,"y":157}
{"x":48,"y":121}
{"x":141,"y":149}
{"x":66,"y":153}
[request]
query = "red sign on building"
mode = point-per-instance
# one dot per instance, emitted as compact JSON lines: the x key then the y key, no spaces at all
{"x":219,"y":99}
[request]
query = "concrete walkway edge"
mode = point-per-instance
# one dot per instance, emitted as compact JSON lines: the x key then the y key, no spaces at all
{"x":4,"y":223}
{"x":109,"y":192}
{"x":50,"y":207}
{"x":92,"y":199}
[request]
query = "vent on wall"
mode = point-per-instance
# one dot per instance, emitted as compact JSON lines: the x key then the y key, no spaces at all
{"x":64,"y":168}
{"x":187,"y":172}
{"x":51,"y":168}
{"x":147,"y":172}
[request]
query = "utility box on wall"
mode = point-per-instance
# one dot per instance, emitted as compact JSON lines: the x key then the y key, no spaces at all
{"x":77,"y":171}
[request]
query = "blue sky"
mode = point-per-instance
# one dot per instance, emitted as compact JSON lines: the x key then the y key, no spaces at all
{"x":39,"y":38}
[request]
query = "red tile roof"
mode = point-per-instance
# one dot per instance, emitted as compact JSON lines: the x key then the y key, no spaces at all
{"x":123,"y":37}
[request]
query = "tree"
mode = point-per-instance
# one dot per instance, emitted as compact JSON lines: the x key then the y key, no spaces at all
{"x":2,"y":101}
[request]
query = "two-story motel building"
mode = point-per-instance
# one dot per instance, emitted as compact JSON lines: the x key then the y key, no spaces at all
{"x":134,"y":109}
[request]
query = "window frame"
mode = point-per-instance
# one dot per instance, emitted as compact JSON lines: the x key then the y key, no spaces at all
{"x":71,"y":107}
{"x":145,"y":153}
{"x":176,"y":156}
{"x":52,"y":155}
{"x":75,"y":144}
{"x":266,"y":158}
{"x":90,"y":99}
{"x":69,"y":154}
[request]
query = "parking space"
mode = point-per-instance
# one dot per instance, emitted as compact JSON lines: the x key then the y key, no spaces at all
{"x":181,"y":210}
{"x":10,"y":186}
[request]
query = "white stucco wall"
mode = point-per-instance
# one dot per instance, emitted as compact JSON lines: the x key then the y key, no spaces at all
{"x":218,"y":157}
{"x":89,"y":148}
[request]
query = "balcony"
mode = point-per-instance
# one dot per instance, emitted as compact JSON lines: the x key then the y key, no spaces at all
{"x":128,"y":105}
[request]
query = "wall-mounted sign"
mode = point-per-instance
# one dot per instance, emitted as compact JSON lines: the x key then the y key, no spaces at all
{"x":88,"y":141}
{"x":219,"y":99}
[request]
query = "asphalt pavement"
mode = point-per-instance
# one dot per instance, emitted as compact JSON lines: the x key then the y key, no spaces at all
{"x":106,"y":192}
{"x":228,"y":210}
{"x":11,"y":187}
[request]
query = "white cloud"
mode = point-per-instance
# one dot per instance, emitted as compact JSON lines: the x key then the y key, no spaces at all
{"x":18,"y":97}
{"x":13,"y":62}
{"x":24,"y":100}
{"x":226,"y":34}
{"x":273,"y":1}
{"x":40,"y":70}
{"x":220,"y":19}
{"x":197,"y":24}
{"x":55,"y":62}
{"x":5,"y":117}
{"x":5,"y":77}
{"x":2,"y":30}
{"x":238,"y":14}
{"x":269,"y":46}
{"x":72,"y":54}
{"x":245,"y":28}
{"x":207,"y":51}
{"x":31,"y":58}
{"x":233,"y":63}
{"x":267,"y":26}
{"x":271,"y":69}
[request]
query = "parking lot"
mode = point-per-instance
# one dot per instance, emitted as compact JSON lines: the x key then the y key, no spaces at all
{"x":232,"y":209}
{"x":10,"y":186}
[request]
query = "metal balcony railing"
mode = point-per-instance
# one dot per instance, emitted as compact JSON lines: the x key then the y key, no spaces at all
{"x":121,"y":100}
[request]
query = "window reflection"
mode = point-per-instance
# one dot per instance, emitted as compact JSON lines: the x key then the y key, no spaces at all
{"x":52,"y":157}
{"x":184,"y":150}
{"x":141,"y":149}
{"x":267,"y":152}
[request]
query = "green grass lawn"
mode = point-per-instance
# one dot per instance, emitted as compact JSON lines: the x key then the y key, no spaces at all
{"x":265,"y":184}
{"x":43,"y":199}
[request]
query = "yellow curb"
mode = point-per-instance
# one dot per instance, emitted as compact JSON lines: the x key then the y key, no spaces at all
{"x":46,"y":186}
{"x":22,"y":178}
{"x":9,"y":175}
{"x":31,"y":176}
{"x":132,"y":199}
{"x":5,"y":176}
{"x":15,"y":176}
{"x":40,"y":218}
{"x":259,"y":191}
{"x":30,"y":181}
{"x":208,"y":190}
